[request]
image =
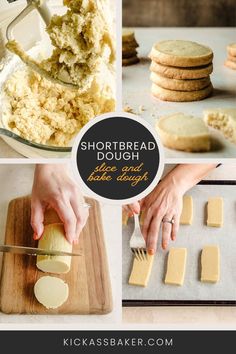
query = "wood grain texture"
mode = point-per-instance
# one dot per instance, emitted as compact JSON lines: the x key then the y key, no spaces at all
{"x":88,"y":279}
{"x":179,"y":13}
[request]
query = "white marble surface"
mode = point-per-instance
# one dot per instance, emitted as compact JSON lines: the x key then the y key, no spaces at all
{"x":186,"y":317}
{"x":15,"y":181}
{"x":136,"y":84}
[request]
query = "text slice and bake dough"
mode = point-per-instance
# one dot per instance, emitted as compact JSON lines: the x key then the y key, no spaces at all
{"x":176,"y":265}
{"x":210,"y":264}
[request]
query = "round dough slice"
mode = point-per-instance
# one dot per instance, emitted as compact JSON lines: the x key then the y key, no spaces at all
{"x":181,"y":73}
{"x":183,"y":132}
{"x":179,"y":85}
{"x":230,"y":64}
{"x":181,"y":53}
{"x":180,"y":96}
{"x":51,"y":292}
{"x":130,"y":61}
{"x":231,"y":49}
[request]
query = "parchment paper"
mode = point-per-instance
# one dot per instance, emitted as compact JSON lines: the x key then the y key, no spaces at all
{"x":194,"y":238}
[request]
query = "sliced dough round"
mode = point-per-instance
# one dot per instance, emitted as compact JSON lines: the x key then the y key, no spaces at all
{"x":231,"y":49}
{"x":183,"y":132}
{"x":230,"y":64}
{"x":181,"y":53}
{"x":223,"y":119}
{"x":179,"y":85}
{"x":54,"y":239}
{"x":130,"y":61}
{"x":180,"y":96}
{"x":182,"y":73}
{"x":51,"y":292}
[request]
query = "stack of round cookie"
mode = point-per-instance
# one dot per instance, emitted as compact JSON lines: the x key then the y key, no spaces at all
{"x":231,"y":59}
{"x":129,"y":48}
{"x":180,"y":71}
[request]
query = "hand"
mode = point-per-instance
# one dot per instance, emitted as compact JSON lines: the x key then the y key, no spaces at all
{"x":163,"y":204}
{"x":53,"y":188}
{"x":132,"y":209}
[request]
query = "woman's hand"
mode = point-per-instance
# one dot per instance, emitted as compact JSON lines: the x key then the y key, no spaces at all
{"x":162,"y":209}
{"x":53,"y":188}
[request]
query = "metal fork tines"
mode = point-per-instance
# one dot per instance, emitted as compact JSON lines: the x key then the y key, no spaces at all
{"x":137,"y":242}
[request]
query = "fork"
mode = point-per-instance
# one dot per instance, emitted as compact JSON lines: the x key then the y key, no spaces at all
{"x":137,"y":242}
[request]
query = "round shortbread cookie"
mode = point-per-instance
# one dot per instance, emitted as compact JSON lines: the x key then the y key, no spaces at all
{"x":179,"y":85}
{"x":182,"y":73}
{"x":231,"y":58}
{"x":181,"y":53}
{"x":183,"y":132}
{"x":130,"y":61}
{"x":180,"y":96}
{"x":128,"y":37}
{"x":129,"y":54}
{"x":231,"y":49}
{"x":230,"y":64}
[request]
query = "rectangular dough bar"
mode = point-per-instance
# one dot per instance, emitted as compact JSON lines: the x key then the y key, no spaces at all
{"x":215,"y":212}
{"x":186,"y":217}
{"x":176,"y":266}
{"x":210,"y":263}
{"x":141,"y":271}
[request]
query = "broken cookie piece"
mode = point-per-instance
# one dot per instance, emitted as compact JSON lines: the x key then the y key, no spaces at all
{"x":222,"y":119}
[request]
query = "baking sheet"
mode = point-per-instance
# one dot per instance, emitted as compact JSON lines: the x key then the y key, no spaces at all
{"x":194,"y":238}
{"x":136,"y":84}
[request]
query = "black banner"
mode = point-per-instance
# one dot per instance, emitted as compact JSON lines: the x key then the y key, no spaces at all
{"x":58,"y":342}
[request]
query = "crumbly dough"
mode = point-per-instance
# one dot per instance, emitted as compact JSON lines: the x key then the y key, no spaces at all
{"x":223,"y":119}
{"x":231,"y":49}
{"x":181,"y":53}
{"x":186,"y":217}
{"x":210,"y":263}
{"x":179,"y":85}
{"x":51,"y":292}
{"x":54,"y":239}
{"x":182,"y":73}
{"x":215,"y":212}
{"x":141,"y":271}
{"x":180,"y":96}
{"x":230,"y":64}
{"x":183,"y":132}
{"x":83,"y":42}
{"x":176,"y":266}
{"x":46,"y":113}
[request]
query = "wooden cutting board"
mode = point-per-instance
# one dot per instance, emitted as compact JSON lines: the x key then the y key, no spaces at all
{"x":88,"y":279}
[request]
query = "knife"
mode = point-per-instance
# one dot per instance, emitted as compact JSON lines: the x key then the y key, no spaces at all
{"x":31,"y":251}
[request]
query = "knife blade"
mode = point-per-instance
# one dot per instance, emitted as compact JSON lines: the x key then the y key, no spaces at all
{"x":31,"y":251}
